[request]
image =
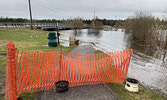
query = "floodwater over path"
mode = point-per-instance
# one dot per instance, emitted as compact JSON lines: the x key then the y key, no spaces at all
{"x":149,"y":70}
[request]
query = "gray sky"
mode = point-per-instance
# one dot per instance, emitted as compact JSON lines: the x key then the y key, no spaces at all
{"x":59,"y":9}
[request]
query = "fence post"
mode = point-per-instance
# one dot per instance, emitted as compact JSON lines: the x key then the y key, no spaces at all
{"x":11,"y":89}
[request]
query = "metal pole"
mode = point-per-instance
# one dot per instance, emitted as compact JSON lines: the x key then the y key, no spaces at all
{"x":30,"y":14}
{"x":58,"y":34}
{"x":60,"y":64}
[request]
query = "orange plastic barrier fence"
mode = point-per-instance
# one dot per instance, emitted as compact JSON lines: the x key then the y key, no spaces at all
{"x":38,"y":71}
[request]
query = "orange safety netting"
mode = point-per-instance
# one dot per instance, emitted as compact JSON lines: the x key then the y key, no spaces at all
{"x":38,"y":71}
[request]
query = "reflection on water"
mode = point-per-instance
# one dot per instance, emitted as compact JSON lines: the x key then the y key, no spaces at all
{"x":107,"y":41}
{"x":90,"y":32}
{"x":95,"y":32}
{"x":147,"y":54}
{"x":149,"y":67}
{"x":77,"y":32}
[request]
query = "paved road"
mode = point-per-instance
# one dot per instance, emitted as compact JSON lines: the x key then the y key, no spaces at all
{"x":91,"y":92}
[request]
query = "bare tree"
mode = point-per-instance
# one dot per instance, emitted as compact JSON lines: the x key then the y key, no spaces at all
{"x":96,"y":23}
{"x":77,"y":24}
{"x":96,"y":26}
{"x":146,"y":30}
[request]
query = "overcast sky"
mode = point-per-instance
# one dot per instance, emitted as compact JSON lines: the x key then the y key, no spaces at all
{"x":59,"y":9}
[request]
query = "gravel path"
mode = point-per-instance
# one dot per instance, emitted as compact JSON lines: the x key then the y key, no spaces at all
{"x":91,"y":92}
{"x":85,"y":49}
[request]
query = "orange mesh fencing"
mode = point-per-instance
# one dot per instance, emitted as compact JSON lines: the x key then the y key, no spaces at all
{"x":38,"y":71}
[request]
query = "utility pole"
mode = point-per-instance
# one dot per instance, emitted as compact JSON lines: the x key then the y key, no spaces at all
{"x":94,"y":19}
{"x":30,"y":14}
{"x":94,"y":14}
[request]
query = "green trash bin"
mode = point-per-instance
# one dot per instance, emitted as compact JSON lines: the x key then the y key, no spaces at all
{"x":52,"y":39}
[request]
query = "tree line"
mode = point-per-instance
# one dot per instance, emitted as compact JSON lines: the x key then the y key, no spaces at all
{"x":27,"y":20}
{"x":110,"y":22}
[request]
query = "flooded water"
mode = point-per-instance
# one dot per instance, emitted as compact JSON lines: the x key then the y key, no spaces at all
{"x":149,"y":70}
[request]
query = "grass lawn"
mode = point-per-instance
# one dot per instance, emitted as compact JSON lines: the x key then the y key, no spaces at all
{"x":24,"y":39}
{"x":143,"y":94}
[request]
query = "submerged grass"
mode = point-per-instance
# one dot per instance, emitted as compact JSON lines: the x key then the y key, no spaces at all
{"x":24,"y":39}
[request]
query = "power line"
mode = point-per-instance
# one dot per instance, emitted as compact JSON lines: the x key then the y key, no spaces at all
{"x":54,"y":7}
{"x":48,"y":8}
{"x":51,"y":9}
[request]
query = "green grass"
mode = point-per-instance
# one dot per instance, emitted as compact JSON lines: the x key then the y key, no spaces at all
{"x":24,"y":39}
{"x":2,"y":64}
{"x":98,"y":51}
{"x":29,"y":96}
{"x":143,"y":94}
